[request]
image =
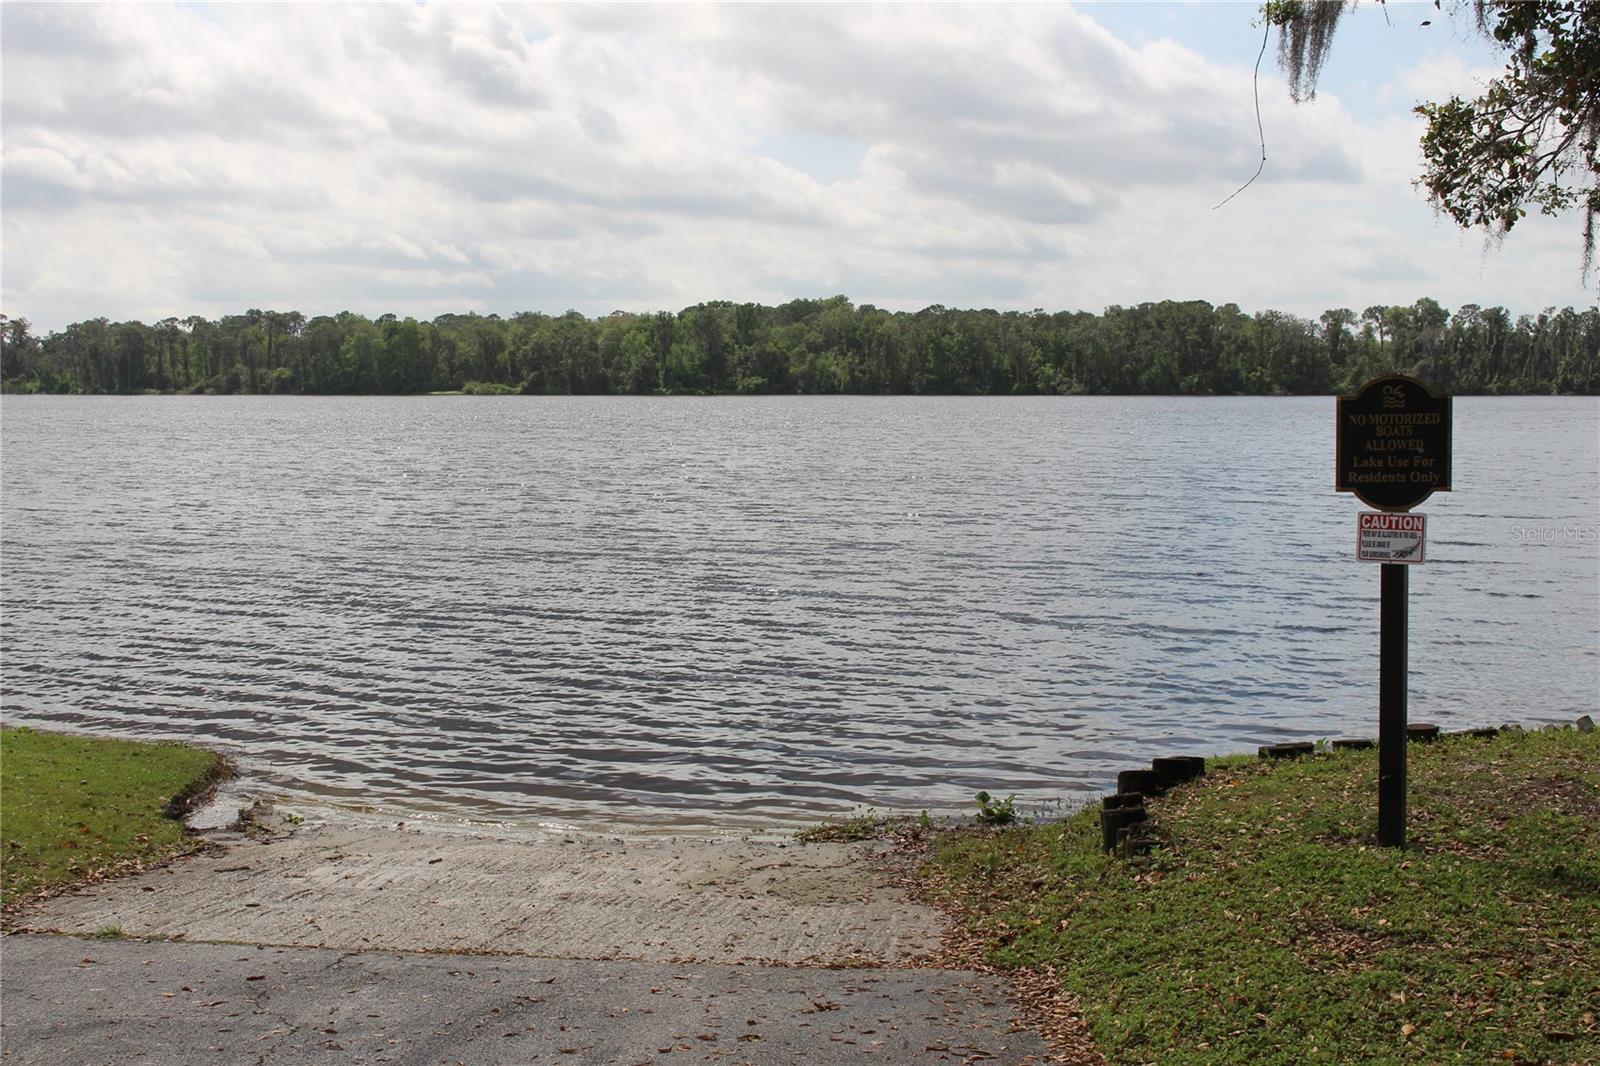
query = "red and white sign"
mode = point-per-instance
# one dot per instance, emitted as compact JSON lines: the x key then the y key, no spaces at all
{"x":1390,"y":538}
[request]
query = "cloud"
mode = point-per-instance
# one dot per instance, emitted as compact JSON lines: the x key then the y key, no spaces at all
{"x":421,"y":158}
{"x":1440,"y":75}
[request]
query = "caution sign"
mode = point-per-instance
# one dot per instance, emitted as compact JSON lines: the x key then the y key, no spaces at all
{"x":1393,"y":443}
{"x":1390,"y":538}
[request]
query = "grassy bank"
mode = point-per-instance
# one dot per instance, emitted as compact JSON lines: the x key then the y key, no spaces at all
{"x":1270,"y":928}
{"x":80,"y":808}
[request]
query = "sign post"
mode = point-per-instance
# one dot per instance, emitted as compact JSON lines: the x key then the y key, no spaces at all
{"x":1392,"y":639}
{"x":1392,"y":445}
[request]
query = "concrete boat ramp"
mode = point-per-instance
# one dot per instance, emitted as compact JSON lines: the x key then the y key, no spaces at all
{"x":359,"y":943}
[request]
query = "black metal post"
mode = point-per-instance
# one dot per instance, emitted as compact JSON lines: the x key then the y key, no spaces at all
{"x":1392,"y":707}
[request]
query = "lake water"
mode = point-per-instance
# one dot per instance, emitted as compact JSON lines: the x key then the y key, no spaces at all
{"x":730,"y":612}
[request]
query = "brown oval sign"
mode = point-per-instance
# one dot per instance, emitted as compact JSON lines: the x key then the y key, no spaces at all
{"x":1393,"y":443}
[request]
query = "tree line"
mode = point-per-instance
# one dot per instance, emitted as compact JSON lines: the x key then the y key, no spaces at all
{"x":819,"y":346}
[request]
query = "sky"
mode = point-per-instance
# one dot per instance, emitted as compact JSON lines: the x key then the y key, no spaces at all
{"x":422,"y":159}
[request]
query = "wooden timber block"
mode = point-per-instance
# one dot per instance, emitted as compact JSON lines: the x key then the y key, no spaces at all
{"x":1147,"y":782}
{"x":1178,"y":769}
{"x":1118,"y":819}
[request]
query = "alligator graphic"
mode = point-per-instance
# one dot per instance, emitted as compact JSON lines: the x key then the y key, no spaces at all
{"x":1416,"y":544}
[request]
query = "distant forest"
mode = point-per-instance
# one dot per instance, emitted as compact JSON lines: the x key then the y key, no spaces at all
{"x":819,"y":346}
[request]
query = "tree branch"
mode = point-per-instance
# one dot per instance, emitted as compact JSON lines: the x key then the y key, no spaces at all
{"x":1255,"y":84}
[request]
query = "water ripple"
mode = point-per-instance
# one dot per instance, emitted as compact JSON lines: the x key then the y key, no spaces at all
{"x":733,"y":611}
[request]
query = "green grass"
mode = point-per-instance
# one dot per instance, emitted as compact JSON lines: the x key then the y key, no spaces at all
{"x":488,"y":388}
{"x":76,"y":809}
{"x":868,"y":825}
{"x":1270,"y":928}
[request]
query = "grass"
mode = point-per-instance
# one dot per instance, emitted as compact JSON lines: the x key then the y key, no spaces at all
{"x":75,"y":809}
{"x":868,"y":825}
{"x":1268,"y":927}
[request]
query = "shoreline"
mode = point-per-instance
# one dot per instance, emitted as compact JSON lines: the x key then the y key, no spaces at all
{"x":247,"y":783}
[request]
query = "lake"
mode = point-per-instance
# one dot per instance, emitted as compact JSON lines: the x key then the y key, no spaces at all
{"x":751,"y":611}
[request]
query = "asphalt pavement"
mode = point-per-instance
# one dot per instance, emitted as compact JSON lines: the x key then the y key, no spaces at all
{"x":68,"y":1000}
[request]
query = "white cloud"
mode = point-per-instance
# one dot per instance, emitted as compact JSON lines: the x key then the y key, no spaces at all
{"x":1439,"y":75}
{"x":424,"y":158}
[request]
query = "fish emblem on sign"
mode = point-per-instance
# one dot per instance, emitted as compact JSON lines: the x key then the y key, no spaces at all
{"x":1392,"y":443}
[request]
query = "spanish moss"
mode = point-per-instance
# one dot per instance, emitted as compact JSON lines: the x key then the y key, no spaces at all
{"x":1305,"y":34}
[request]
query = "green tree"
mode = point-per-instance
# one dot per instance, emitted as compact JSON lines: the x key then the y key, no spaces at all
{"x":197,"y":344}
{"x":134,"y":347}
{"x":402,"y":345}
{"x":1337,"y":324}
{"x":1528,"y":141}
{"x":19,"y":349}
{"x":822,"y":346}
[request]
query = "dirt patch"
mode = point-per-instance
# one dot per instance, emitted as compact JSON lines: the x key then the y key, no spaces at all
{"x":1333,"y":950}
{"x":1043,"y":1004}
{"x":1568,"y":796}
